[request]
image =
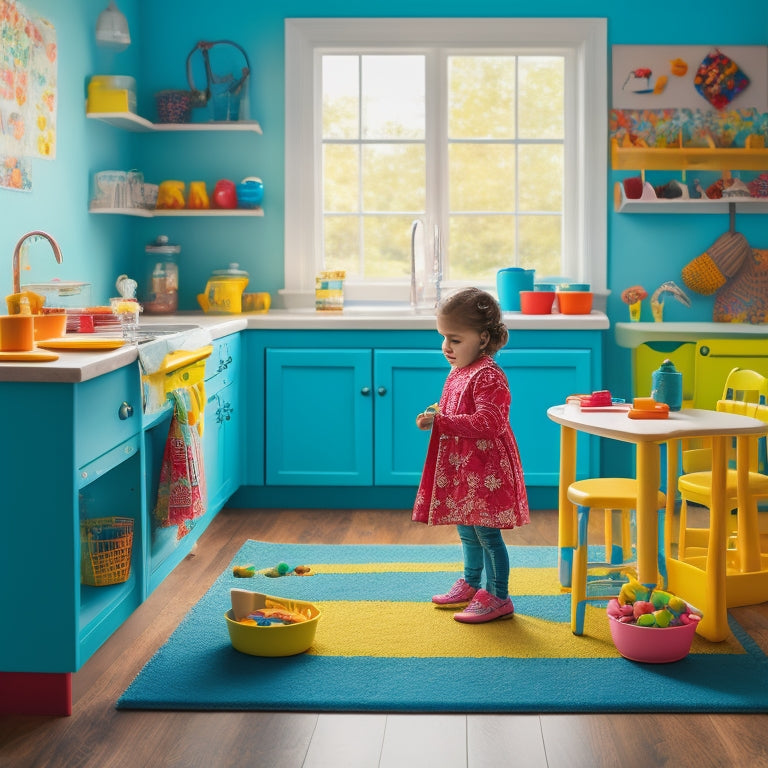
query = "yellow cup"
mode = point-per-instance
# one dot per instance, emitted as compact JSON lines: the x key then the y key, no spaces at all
{"x":257,"y":302}
{"x":17,"y":333}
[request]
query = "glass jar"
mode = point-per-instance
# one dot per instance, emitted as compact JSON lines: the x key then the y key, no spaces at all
{"x":161,"y":289}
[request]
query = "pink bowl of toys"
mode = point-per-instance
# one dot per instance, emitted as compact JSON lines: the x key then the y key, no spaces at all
{"x":651,"y":626}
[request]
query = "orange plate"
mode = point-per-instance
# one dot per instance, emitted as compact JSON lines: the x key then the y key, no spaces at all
{"x":81,"y":341}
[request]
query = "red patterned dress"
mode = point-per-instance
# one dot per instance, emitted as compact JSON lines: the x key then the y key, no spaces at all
{"x":473,"y":474}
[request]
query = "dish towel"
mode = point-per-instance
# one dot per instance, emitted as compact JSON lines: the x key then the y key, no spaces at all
{"x":181,"y":495}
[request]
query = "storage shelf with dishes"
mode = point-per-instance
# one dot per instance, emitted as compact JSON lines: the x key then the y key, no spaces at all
{"x":753,"y":157}
{"x":149,"y":214}
{"x":128,"y":121}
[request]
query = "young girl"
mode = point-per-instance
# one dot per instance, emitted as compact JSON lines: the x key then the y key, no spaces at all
{"x":473,"y":477}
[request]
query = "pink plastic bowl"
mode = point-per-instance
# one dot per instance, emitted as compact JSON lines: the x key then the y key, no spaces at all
{"x":652,"y":645}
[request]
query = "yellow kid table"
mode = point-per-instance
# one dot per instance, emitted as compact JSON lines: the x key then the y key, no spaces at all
{"x":705,"y":588}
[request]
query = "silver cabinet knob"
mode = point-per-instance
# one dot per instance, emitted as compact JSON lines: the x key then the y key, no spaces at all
{"x":365,"y":391}
{"x":382,"y":390}
{"x":125,"y":411}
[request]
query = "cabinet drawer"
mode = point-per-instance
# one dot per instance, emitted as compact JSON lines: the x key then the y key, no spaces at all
{"x":222,"y":367}
{"x":107,"y":412}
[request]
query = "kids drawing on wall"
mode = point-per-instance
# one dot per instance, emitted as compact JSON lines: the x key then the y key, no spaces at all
{"x":473,"y":477}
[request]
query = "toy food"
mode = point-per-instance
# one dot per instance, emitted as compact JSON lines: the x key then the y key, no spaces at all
{"x":648,"y":408}
{"x":638,"y":604}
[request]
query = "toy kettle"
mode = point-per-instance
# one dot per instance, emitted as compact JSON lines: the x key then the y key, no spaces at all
{"x":224,"y":291}
{"x":667,"y":385}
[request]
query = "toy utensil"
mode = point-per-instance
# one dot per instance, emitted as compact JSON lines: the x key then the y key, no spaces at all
{"x":244,"y":602}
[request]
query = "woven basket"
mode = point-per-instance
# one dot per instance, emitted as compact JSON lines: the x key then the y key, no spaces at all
{"x":105,"y":550}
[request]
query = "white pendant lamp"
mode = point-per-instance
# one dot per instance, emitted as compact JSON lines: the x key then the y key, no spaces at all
{"x":112,"y":29}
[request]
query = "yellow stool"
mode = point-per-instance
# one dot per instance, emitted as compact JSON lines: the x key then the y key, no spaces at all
{"x":617,"y":496}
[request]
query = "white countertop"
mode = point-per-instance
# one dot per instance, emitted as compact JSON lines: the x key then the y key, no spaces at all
{"x":632,"y":335}
{"x":399,"y":319}
{"x":74,"y":366}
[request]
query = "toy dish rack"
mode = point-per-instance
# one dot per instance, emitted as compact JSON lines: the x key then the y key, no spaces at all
{"x":105,"y":550}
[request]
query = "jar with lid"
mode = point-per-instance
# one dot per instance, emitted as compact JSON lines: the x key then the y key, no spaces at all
{"x":667,"y":385}
{"x":161,"y":289}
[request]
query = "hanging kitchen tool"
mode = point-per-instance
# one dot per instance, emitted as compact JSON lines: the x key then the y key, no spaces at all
{"x":228,"y":92}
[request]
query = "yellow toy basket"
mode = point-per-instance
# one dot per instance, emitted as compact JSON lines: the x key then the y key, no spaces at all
{"x":105,"y":550}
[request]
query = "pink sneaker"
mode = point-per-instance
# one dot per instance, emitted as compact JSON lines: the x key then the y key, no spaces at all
{"x":460,"y":594}
{"x":485,"y":607}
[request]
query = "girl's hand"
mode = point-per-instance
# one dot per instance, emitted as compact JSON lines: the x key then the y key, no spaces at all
{"x":424,"y":420}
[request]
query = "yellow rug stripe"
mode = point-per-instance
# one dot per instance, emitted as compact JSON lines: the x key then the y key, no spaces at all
{"x":394,"y":630}
{"x":522,"y":581}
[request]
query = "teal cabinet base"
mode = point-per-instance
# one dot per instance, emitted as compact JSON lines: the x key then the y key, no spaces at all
{"x":336,"y":497}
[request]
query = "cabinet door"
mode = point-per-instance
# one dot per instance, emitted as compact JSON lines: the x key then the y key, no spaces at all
{"x":221,"y":447}
{"x":405,"y":383}
{"x":540,"y":379}
{"x":319,"y":417}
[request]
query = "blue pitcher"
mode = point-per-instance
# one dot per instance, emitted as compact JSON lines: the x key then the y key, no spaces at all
{"x":509,"y":282}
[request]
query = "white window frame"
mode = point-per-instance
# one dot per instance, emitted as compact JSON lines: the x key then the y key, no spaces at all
{"x":582,"y":41}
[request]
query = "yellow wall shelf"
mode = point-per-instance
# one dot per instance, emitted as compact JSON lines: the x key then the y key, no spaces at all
{"x":753,"y":157}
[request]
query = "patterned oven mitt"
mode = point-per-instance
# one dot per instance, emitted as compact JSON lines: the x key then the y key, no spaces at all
{"x":719,"y":79}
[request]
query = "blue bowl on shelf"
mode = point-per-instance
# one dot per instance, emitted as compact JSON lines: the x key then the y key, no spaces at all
{"x":250,"y":193}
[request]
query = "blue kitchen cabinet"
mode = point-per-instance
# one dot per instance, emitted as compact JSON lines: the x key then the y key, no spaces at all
{"x":222,"y":433}
{"x":538,"y":379}
{"x":339,"y":412}
{"x":75,"y":454}
{"x":221,"y":450}
{"x":347,"y":416}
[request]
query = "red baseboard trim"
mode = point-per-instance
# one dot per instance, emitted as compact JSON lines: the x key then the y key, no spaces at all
{"x":36,"y":693}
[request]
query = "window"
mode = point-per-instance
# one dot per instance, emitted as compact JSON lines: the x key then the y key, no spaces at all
{"x":491,"y":132}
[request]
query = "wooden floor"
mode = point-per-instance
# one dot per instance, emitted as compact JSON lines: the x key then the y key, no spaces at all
{"x":98,"y":736}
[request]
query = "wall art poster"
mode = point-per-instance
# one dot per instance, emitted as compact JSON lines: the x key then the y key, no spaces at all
{"x":690,"y":77}
{"x":28,"y":68}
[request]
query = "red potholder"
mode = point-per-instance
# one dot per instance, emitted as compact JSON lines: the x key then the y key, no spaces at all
{"x":719,"y":79}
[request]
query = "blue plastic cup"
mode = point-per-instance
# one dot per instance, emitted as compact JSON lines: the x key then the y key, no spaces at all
{"x":509,"y":282}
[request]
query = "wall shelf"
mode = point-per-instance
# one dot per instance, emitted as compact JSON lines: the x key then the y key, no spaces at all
{"x":128,"y":121}
{"x":624,"y":204}
{"x":150,"y":214}
{"x":754,"y":157}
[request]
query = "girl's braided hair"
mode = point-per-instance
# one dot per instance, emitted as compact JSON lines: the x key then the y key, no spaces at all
{"x":479,"y":311}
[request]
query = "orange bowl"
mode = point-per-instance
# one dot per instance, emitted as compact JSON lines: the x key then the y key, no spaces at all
{"x":536,"y":302}
{"x":50,"y":325}
{"x":575,"y":302}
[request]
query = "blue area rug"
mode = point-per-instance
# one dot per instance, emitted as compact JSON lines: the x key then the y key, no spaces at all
{"x":382,"y":647}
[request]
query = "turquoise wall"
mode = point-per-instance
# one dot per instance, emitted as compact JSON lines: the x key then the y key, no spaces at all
{"x":647,"y":249}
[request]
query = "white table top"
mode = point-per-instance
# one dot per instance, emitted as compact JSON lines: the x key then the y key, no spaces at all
{"x":689,"y":422}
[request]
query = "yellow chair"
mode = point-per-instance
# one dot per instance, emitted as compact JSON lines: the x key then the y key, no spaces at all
{"x":617,"y":497}
{"x":742,"y":388}
{"x":745,"y":393}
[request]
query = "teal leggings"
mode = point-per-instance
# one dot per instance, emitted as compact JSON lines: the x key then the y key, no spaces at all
{"x":484,"y":548}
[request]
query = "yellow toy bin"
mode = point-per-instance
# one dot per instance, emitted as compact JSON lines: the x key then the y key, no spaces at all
{"x":278,"y":639}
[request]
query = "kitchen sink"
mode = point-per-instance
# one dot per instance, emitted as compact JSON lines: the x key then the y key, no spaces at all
{"x":163,"y":329}
{"x":151,"y":331}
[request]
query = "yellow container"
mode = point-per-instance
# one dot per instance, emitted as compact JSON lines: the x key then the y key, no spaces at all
{"x":278,"y":639}
{"x":111,"y":93}
{"x":257,"y":302}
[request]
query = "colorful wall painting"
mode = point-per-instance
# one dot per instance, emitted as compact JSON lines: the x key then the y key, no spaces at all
{"x":28,"y":93}
{"x":692,"y":77}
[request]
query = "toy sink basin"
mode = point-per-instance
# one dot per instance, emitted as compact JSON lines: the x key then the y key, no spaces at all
{"x":278,"y":639}
{"x":652,"y":645}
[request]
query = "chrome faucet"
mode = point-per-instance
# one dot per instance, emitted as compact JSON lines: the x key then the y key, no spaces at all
{"x":426,"y":273}
{"x":17,"y":252}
